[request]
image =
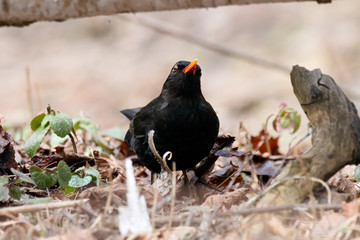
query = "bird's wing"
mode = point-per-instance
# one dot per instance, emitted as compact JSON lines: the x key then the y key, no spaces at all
{"x":142,"y":121}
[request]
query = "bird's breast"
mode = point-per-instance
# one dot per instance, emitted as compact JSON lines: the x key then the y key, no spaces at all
{"x":185,"y":116}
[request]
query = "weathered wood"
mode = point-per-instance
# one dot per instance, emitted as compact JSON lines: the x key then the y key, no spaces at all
{"x":335,"y":137}
{"x":24,"y":12}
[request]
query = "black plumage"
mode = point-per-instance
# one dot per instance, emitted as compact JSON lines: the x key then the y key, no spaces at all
{"x":183,"y":121}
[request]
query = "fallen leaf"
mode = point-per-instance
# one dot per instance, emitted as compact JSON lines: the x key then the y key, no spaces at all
{"x":243,"y":139}
{"x":7,"y":153}
{"x":276,"y":227}
{"x":328,"y":222}
{"x":228,"y":199}
{"x":74,"y":234}
{"x":258,"y":142}
{"x":351,"y":208}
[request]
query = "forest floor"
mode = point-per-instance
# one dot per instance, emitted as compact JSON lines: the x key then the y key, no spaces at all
{"x":219,"y":205}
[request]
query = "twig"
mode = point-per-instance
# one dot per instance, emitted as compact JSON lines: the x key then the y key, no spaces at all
{"x":160,"y":160}
{"x":341,"y":227}
{"x":28,"y":92}
{"x":174,"y":31}
{"x":73,"y":142}
{"x":308,"y":186}
{"x":254,"y":199}
{"x":291,"y":148}
{"x":297,"y":207}
{"x":43,"y":206}
{"x":266,"y":134}
{"x":173,"y":193}
{"x":153,"y":210}
{"x":108,"y":200}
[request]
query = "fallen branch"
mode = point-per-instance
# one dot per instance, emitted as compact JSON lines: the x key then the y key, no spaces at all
{"x":20,"y":12}
{"x":180,"y":218}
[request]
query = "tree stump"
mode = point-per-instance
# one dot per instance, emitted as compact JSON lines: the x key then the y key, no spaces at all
{"x":335,"y":137}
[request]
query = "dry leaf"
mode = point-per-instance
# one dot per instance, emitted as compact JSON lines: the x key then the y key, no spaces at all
{"x":228,"y":199}
{"x":258,"y":142}
{"x":327,"y":223}
{"x":351,"y":208}
{"x":7,"y":153}
{"x":75,"y":234}
{"x":243,"y":139}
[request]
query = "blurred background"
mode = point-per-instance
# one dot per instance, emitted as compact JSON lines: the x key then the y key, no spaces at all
{"x":101,"y":65}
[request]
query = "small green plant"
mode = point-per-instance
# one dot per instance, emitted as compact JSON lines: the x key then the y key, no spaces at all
{"x":46,"y":178}
{"x":61,"y":174}
{"x":83,"y":123}
{"x":286,"y":119}
{"x":61,"y":124}
{"x":8,"y":190}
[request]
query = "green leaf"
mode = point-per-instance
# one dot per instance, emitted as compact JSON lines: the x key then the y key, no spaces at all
{"x":284,"y":122}
{"x":357,"y":173}
{"x":88,"y":125}
{"x":76,"y":181}
{"x":4,"y":180}
{"x":41,"y":180}
{"x":116,"y":133}
{"x":282,"y":113}
{"x":296,"y":118}
{"x":33,"y":144}
{"x":69,"y":190}
{"x":64,"y":174}
{"x":61,"y":124}
{"x":15,"y":192}
{"x":55,"y":140}
{"x":53,"y":178}
{"x":36,"y":121}
{"x":94,"y":173}
{"x":4,"y":193}
{"x":95,"y":135}
{"x":26,"y":133}
{"x":22,"y":176}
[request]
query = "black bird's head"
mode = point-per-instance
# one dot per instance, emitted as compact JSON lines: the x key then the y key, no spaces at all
{"x":184,"y":79}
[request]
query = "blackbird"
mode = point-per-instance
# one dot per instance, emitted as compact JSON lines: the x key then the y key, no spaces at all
{"x":184,"y":122}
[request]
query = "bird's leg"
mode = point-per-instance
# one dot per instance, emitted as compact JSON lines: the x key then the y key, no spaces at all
{"x":190,"y":188}
{"x":185,"y":176}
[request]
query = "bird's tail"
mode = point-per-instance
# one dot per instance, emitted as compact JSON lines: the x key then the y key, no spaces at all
{"x":130,"y":113}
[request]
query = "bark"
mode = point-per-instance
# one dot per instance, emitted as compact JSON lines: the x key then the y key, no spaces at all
{"x":24,"y":12}
{"x":335,"y":137}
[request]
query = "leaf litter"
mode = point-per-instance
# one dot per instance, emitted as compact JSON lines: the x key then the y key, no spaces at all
{"x":212,"y":207}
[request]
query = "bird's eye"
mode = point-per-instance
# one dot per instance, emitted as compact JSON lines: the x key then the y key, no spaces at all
{"x":175,"y":68}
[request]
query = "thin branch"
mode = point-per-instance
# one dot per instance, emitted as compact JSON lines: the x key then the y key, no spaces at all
{"x":174,"y":31}
{"x":155,"y":201}
{"x":173,"y":193}
{"x":21,"y":13}
{"x":160,"y":160}
{"x":43,"y":206}
{"x":275,"y":184}
{"x":247,"y":211}
{"x":73,"y":142}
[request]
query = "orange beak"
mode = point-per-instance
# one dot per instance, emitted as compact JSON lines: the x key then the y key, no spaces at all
{"x":191,"y":66}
